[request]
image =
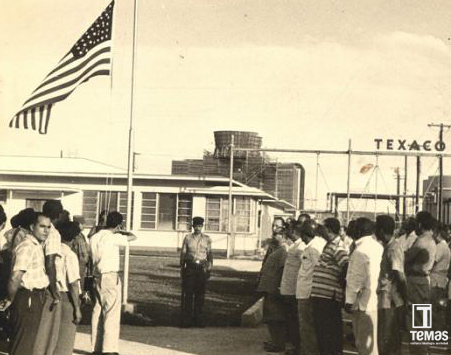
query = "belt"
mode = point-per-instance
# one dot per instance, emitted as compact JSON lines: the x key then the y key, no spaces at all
{"x":99,"y":275}
{"x":196,"y":263}
{"x":417,"y":273}
{"x":34,"y":290}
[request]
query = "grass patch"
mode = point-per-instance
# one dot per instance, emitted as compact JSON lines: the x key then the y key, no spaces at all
{"x":155,"y":288}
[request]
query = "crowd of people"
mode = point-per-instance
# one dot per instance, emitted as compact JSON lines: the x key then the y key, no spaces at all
{"x":310,"y":273}
{"x":49,"y":268}
{"x":374,"y":271}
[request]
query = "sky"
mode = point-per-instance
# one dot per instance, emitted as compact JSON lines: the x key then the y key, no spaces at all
{"x":303,"y":74}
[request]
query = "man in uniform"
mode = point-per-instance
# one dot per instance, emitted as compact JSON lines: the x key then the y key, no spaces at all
{"x":196,"y":260}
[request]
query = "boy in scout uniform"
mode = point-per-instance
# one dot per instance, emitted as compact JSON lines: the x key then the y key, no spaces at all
{"x":196,"y":260}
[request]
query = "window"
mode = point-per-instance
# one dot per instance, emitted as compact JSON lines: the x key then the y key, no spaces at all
{"x":3,"y":196}
{"x":94,"y":202}
{"x":35,"y":204}
{"x":217,"y":214}
{"x":184,"y":212}
{"x":122,"y":207}
{"x":90,"y":207}
{"x":243,"y":214}
{"x":165,"y":211}
{"x":149,"y":210}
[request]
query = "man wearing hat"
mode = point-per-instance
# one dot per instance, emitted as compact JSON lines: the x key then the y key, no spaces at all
{"x":196,"y":261}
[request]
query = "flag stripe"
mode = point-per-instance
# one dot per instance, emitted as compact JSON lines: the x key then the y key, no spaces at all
{"x":41,"y":116}
{"x":69,"y":83}
{"x":55,"y":99}
{"x":47,"y":120}
{"x":33,"y":118}
{"x":74,"y":69}
{"x":90,"y":56}
{"x":25,"y":120}
{"x":56,"y":96}
{"x":62,"y":64}
{"x":78,"y":60}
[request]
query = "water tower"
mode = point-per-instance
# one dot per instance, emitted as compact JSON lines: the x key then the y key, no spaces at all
{"x":242,"y":139}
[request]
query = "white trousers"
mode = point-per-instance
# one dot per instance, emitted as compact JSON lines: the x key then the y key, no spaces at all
{"x":106,"y":315}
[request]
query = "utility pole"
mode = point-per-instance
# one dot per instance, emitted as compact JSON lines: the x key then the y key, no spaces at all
{"x":231,"y":235}
{"x":440,"y":167}
{"x":398,"y":191}
{"x":417,"y":189}
{"x":404,"y":199}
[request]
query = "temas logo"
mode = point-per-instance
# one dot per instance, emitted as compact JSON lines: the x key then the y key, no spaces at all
{"x":422,"y":319}
{"x":424,"y":312}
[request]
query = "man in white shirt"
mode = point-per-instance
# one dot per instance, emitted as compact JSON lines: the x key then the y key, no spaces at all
{"x":362,"y":280}
{"x":392,"y":288}
{"x":288,"y":285}
{"x":406,"y":234}
{"x":313,"y":249}
{"x":69,"y":288}
{"x":439,"y":278}
{"x":49,"y":326}
{"x":106,"y":315}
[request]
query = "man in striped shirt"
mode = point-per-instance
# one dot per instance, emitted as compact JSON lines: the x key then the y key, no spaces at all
{"x":327,"y":291}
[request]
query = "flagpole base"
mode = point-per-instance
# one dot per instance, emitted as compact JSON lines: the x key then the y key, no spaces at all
{"x":128,"y":307}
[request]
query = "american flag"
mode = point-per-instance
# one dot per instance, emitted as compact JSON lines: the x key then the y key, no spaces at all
{"x":90,"y":56}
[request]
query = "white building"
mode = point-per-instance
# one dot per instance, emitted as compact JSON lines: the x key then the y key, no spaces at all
{"x":162,"y":205}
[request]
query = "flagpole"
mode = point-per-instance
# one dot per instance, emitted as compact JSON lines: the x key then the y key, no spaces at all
{"x":130,"y":155}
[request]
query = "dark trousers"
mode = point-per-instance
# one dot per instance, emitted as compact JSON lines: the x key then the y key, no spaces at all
{"x":194,"y":281}
{"x":418,"y":292}
{"x":438,"y":311}
{"x":389,"y":330}
{"x":328,"y":325}
{"x":49,"y":327}
{"x":26,"y":312}
{"x":278,"y":333}
{"x":309,"y":344}
{"x":66,"y":336}
{"x":292,"y":319}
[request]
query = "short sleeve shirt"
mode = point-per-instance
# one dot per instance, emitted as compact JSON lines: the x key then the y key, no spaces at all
{"x":81,"y":249}
{"x":309,"y":258}
{"x":420,"y":257}
{"x":14,"y":237}
{"x":70,"y":268}
{"x":52,"y":244}
{"x":392,"y":260}
{"x":28,"y":257}
{"x":105,"y":251}
{"x":196,"y":247}
{"x":407,"y":240}
{"x":439,"y":271}
{"x":327,"y":282}
{"x":291,"y":269}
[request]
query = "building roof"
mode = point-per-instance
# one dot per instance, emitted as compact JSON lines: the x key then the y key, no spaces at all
{"x":62,"y":166}
{"x":54,"y":165}
{"x":81,"y":167}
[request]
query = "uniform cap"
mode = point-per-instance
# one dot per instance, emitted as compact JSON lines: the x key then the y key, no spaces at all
{"x":198,"y":221}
